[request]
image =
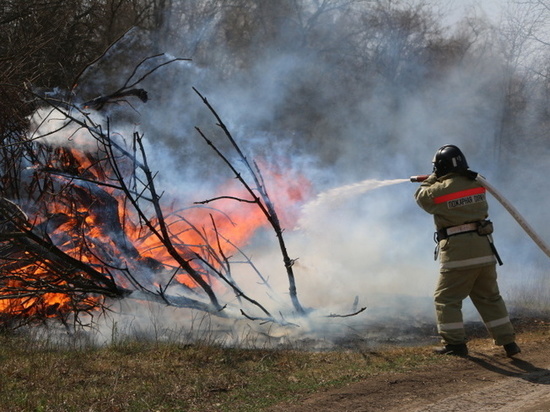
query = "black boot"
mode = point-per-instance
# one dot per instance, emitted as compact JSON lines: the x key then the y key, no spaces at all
{"x":511,"y":349}
{"x":457,"y":350}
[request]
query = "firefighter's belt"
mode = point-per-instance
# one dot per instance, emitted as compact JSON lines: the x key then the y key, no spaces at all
{"x":483,"y":228}
{"x":456,"y":230}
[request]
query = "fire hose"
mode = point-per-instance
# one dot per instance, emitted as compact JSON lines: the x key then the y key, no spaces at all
{"x":508,"y":206}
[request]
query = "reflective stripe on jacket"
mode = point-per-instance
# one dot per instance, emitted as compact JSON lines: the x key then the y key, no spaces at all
{"x":454,"y":200}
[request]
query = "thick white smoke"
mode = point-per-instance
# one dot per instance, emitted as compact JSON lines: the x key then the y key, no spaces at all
{"x":376,"y":244}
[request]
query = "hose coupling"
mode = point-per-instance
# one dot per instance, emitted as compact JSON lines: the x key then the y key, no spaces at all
{"x":419,"y":178}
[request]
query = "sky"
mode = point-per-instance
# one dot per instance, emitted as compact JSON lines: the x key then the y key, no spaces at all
{"x":489,"y":8}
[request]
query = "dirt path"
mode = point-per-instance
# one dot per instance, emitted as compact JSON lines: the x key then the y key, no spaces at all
{"x":484,"y":381}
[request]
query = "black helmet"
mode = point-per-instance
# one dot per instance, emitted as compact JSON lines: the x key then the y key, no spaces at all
{"x":449,"y":159}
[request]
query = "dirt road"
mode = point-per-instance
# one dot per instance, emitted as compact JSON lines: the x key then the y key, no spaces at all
{"x":484,"y":381}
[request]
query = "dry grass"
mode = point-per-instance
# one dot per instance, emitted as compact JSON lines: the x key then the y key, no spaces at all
{"x":153,"y":376}
{"x":135,"y":376}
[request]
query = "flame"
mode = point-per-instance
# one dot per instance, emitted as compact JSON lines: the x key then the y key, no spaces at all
{"x":93,"y":224}
{"x":35,"y":303}
{"x":288,"y":187}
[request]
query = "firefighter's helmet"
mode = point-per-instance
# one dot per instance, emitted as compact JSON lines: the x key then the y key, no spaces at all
{"x":447,"y":159}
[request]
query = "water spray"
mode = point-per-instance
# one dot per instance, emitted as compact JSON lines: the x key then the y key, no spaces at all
{"x":508,"y":206}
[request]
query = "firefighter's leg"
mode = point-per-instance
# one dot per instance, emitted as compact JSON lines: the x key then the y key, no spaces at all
{"x":452,"y":288}
{"x":486,"y":297}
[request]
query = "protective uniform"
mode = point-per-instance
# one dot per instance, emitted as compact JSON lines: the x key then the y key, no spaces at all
{"x":467,"y":257}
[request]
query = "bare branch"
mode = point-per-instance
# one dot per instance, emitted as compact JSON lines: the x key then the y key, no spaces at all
{"x":264,"y":203}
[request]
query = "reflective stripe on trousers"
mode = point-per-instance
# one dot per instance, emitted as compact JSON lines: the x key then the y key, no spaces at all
{"x":449,"y":326}
{"x":457,"y":264}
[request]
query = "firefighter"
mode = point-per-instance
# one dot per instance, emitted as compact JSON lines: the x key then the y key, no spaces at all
{"x":467,"y":255}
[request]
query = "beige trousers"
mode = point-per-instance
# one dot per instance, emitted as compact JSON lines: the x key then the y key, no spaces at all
{"x":480,"y":284}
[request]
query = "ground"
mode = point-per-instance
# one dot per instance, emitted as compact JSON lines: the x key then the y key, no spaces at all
{"x":486,"y":380}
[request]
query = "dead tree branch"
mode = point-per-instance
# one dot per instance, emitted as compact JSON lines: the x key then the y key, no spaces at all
{"x":129,"y":88}
{"x":263,"y":201}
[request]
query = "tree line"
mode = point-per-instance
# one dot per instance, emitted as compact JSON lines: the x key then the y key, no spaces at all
{"x":351,"y":47}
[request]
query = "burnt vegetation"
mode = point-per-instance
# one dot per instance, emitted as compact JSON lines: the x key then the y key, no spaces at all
{"x":61,"y":59}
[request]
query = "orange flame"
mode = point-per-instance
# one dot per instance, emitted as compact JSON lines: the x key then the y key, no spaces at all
{"x":93,"y":226}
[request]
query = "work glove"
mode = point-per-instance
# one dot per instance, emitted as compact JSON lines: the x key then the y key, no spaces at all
{"x":470,"y":174}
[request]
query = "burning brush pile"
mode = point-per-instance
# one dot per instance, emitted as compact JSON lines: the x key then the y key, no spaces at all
{"x":83,"y":223}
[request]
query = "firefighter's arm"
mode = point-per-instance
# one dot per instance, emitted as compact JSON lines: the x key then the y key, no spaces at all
{"x":423,"y":195}
{"x":430,"y":180}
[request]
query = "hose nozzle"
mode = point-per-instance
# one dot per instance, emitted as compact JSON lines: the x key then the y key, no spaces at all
{"x":419,"y":178}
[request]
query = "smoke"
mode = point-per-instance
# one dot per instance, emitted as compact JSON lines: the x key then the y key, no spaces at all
{"x":353,"y":135}
{"x":52,"y":127}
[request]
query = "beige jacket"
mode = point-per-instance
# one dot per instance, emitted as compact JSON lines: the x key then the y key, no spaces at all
{"x":454,"y":200}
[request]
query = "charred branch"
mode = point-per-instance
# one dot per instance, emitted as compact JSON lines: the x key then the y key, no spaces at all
{"x":28,"y":242}
{"x":158,"y":228}
{"x":99,"y":102}
{"x":263,"y":201}
{"x":348,"y":315}
{"x":268,"y":320}
{"x":160,"y":231}
{"x":129,"y":89}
